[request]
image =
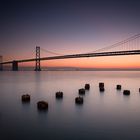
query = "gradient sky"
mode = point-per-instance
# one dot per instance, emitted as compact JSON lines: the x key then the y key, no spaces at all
{"x":67,"y":27}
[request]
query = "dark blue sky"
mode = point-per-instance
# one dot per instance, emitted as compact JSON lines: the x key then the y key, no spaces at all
{"x":65,"y":26}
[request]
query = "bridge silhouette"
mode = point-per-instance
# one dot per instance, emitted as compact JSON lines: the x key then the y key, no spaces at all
{"x":129,"y":46}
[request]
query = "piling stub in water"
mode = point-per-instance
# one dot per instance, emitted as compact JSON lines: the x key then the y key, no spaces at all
{"x":87,"y":86}
{"x":102,"y":89}
{"x":82,"y":91}
{"x":59,"y":94}
{"x":42,"y":105}
{"x":101,"y":84}
{"x":118,"y":87}
{"x":79,"y":100}
{"x":126,"y":92}
{"x":25,"y":98}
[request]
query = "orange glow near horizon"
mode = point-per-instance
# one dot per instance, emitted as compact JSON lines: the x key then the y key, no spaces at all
{"x":96,"y":62}
{"x":64,"y":47}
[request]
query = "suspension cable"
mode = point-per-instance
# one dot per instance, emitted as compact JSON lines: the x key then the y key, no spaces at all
{"x":118,"y":43}
{"x":51,"y":52}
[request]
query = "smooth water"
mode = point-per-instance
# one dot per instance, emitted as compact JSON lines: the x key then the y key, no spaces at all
{"x":103,"y":116}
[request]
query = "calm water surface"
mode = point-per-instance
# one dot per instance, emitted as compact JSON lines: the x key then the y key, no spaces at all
{"x":103,"y":116}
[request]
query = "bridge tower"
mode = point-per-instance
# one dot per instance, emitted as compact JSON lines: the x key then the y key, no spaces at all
{"x":37,"y":65}
{"x":1,"y":60}
{"x":15,"y":65}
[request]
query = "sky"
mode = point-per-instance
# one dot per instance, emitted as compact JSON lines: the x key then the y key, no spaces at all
{"x":68,"y":27}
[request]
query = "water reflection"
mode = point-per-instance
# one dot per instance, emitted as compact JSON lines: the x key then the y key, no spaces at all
{"x":43,"y":111}
{"x":103,"y":115}
{"x":25,"y":104}
{"x":59,"y":100}
{"x":126,"y":97}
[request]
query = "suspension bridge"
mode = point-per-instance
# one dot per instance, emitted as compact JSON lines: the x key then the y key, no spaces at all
{"x":129,"y":46}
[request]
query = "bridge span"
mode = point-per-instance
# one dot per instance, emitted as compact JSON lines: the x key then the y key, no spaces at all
{"x":99,"y":53}
{"x":117,"y":53}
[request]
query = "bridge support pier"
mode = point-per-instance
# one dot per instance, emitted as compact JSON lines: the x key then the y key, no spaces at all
{"x":1,"y":66}
{"x":15,"y":66}
{"x":37,"y":66}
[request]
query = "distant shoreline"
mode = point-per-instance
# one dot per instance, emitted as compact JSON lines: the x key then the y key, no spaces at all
{"x":73,"y":69}
{"x":77,"y":70}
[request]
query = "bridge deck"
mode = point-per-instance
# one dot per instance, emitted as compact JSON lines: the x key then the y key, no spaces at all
{"x":117,"y":53}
